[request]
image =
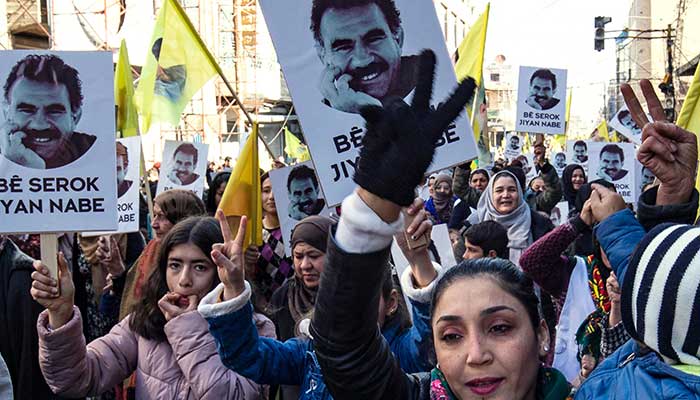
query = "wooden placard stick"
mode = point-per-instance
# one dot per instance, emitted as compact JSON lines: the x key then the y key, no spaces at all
{"x":49,"y":252}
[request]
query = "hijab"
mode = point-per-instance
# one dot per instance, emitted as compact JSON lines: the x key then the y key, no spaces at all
{"x":569,"y":191}
{"x":517,"y":222}
{"x":313,"y":231}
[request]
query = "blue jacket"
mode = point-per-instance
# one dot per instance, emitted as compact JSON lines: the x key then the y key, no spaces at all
{"x":293,"y":362}
{"x":633,"y":371}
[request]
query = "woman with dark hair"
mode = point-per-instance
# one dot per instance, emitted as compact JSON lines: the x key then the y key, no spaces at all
{"x":169,"y":208}
{"x":572,"y":179}
{"x":268,"y":267}
{"x":478,"y":179}
{"x":216,"y":191}
{"x":293,"y":362}
{"x":164,"y":341}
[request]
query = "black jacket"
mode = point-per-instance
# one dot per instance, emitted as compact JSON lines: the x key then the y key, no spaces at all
{"x":357,"y":362}
{"x":649,"y":214}
{"x":19,"y":343}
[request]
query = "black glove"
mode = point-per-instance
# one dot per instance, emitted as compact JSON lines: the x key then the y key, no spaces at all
{"x":399,"y":142}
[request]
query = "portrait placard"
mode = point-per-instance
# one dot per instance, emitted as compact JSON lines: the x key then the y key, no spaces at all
{"x":334,"y":66}
{"x":624,"y":124}
{"x":513,"y":146}
{"x":560,"y":213}
{"x":57,"y":142}
{"x":541,"y":100}
{"x":616,"y":163}
{"x":184,"y":167}
{"x":128,"y":166}
{"x":297,"y":196}
{"x":577,"y":152}
{"x":559,"y":162}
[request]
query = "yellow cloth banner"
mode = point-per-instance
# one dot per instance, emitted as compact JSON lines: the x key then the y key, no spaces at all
{"x":603,"y":130}
{"x":127,"y":117}
{"x":689,"y":117}
{"x":178,"y":64}
{"x":470,"y":61}
{"x":242,"y":195}
{"x":294,"y":148}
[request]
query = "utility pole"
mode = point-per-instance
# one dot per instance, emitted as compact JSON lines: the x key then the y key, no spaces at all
{"x":666,"y":86}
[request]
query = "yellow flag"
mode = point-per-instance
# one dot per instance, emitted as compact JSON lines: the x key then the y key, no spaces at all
{"x":603,"y":130}
{"x":689,"y":117}
{"x":242,"y":195}
{"x":178,"y":64}
{"x":470,"y":61}
{"x":127,"y":117}
{"x":294,"y":148}
{"x":568,"y":107}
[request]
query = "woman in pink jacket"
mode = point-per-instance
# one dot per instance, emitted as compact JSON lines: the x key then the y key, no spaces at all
{"x":165,"y":340}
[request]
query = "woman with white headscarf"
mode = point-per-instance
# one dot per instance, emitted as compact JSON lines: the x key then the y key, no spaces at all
{"x":503,"y":202}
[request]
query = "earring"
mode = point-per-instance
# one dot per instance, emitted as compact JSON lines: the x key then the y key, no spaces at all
{"x":546,"y":348}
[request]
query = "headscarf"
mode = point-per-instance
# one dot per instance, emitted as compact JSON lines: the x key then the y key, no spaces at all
{"x":566,"y":177}
{"x":479,"y":171}
{"x":517,"y":222}
{"x":313,"y":231}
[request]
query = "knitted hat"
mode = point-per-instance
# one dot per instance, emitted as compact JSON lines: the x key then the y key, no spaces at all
{"x":660,"y":293}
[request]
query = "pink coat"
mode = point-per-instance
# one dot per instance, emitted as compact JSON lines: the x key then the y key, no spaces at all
{"x":186,"y":366}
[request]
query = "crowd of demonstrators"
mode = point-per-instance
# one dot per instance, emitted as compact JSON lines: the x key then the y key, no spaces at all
{"x":601,"y":306}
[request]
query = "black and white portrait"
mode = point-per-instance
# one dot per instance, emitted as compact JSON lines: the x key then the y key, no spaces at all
{"x":42,"y":107}
{"x":543,"y":89}
{"x":541,"y":100}
{"x":183,"y":167}
{"x":339,"y":56}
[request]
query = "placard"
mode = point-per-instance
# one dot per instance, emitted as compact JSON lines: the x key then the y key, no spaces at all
{"x":128,"y":166}
{"x":616,"y":163}
{"x":57,"y":142}
{"x":577,"y":153}
{"x":297,"y":196}
{"x":624,"y":124}
{"x":513,"y":146}
{"x":541,"y":100}
{"x":560,"y":213}
{"x":340,"y":58}
{"x":559,"y":162}
{"x":184,"y":167}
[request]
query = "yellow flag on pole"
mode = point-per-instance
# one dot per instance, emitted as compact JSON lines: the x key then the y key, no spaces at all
{"x":294,"y":148}
{"x":178,"y":64}
{"x":127,"y":117}
{"x":689,"y":117}
{"x":242,"y":195}
{"x":603,"y":130}
{"x":470,"y":60}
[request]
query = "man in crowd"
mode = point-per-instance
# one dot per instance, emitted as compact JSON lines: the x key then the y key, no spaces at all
{"x":612,"y":159}
{"x":184,"y":164}
{"x":303,"y":192}
{"x":543,"y":86}
{"x":360,"y":45}
{"x":123,"y":184}
{"x":42,"y":106}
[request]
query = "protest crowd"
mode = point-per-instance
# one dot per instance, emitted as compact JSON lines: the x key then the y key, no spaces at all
{"x":301,"y":297}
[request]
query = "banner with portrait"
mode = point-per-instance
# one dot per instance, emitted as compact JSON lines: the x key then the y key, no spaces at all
{"x":57,"y":142}
{"x":184,"y":167}
{"x":577,"y":152}
{"x":559,"y":161}
{"x":298,"y":195}
{"x":617,"y":164}
{"x":541,"y":100}
{"x":338,"y":59}
{"x":127,"y":167}
{"x":624,"y":124}
{"x":513,"y":146}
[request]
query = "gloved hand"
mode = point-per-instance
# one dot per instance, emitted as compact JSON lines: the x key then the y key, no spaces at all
{"x":399,"y":141}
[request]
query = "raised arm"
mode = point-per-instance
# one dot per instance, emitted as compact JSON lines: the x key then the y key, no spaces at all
{"x":552,"y":194}
{"x":397,"y":149}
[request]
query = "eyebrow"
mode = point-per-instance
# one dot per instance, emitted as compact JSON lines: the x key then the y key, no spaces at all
{"x":341,"y":42}
{"x":374,"y":32}
{"x":495,"y":309}
{"x":191,"y":261}
{"x":449,"y":318}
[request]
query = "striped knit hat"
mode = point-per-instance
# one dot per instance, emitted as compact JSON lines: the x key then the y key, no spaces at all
{"x":660,"y":293}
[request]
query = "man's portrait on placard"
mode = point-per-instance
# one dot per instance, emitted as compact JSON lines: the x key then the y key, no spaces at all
{"x":303,"y":191}
{"x":184,"y":164}
{"x":580,"y":152}
{"x":123,"y":184}
{"x":41,"y":108}
{"x":543,"y":88}
{"x":611,"y":163}
{"x":360,"y":44}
